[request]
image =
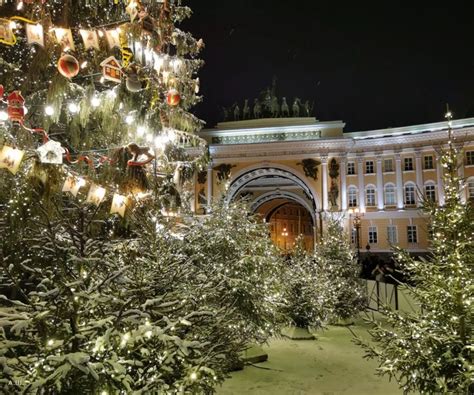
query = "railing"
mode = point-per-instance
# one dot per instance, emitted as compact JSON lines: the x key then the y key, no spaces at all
{"x":386,"y":294}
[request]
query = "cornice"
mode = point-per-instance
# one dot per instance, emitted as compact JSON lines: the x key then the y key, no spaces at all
{"x":338,"y":147}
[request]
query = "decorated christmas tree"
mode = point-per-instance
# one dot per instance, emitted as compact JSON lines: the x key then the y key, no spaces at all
{"x":95,"y":126}
{"x":431,"y":350}
{"x":336,"y":259}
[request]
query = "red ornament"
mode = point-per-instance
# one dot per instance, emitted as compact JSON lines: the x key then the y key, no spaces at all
{"x":68,"y":66}
{"x":16,"y":107}
{"x":173,"y":98}
{"x":2,"y":91}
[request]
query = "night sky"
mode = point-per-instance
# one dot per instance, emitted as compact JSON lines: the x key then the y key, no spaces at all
{"x":372,"y":65}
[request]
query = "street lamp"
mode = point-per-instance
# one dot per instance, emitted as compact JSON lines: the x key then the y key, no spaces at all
{"x":284,"y":235}
{"x":357,"y":223}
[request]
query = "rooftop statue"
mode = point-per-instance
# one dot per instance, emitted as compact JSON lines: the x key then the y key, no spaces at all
{"x":257,"y":109}
{"x":275,"y":108}
{"x":246,"y":114}
{"x":285,"y":110}
{"x":296,"y":107}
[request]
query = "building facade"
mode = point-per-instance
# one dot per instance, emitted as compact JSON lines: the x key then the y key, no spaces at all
{"x":301,"y":165}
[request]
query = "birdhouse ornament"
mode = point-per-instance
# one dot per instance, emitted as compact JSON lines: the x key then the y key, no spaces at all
{"x":16,"y":107}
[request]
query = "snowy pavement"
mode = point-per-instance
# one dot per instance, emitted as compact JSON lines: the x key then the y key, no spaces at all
{"x":330,"y":365}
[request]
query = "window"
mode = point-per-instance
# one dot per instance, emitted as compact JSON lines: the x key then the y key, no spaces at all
{"x":470,"y":190}
{"x":351,"y":170}
{"x":352,"y":196}
{"x":388,"y":165}
{"x":470,"y":158}
{"x":408,"y":164}
{"x":369,"y":167}
{"x":412,"y":234}
{"x":430,"y":192}
{"x":372,"y":235}
{"x":370,"y":196}
{"x":392,"y":236}
{"x":429,"y":164}
{"x":354,"y":236}
{"x":389,"y":192}
{"x":410,"y":194}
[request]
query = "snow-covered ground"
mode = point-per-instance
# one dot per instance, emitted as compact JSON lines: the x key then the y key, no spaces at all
{"x":330,"y":365}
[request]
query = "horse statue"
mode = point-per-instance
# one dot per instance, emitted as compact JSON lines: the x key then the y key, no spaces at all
{"x":285,"y":110}
{"x":246,"y":114}
{"x":296,"y":107}
{"x":308,"y":109}
{"x":257,"y":109}
{"x":225,"y":112}
{"x":275,"y":108}
{"x":236,"y":112}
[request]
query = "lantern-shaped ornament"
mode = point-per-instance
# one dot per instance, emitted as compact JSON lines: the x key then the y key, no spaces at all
{"x":51,"y":153}
{"x":16,"y":107}
{"x":173,"y":98}
{"x":119,"y":205}
{"x":96,"y":195}
{"x":73,"y":184}
{"x":10,"y":159}
{"x":68,"y":66}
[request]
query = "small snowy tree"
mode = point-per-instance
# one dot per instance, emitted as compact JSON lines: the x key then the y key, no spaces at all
{"x":307,"y":290}
{"x":336,"y":260}
{"x":431,"y":351}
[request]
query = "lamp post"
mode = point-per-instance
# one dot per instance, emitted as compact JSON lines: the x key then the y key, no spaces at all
{"x":284,"y":234}
{"x":357,"y":223}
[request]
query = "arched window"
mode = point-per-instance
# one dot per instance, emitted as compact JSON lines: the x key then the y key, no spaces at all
{"x":410,"y":198}
{"x":430,"y":191}
{"x":389,"y":192}
{"x":352,"y":196}
{"x":370,"y":196}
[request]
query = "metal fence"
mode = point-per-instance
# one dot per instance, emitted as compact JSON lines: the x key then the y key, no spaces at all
{"x":385,"y":294}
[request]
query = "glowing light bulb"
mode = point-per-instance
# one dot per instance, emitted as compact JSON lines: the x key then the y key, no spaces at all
{"x":19,"y":7}
{"x":84,"y":64}
{"x":48,"y":110}
{"x":193,"y":376}
{"x":3,"y":116}
{"x":95,"y":101}
{"x":129,"y":119}
{"x":141,"y":130}
{"x":50,"y":342}
{"x":148,"y":334}
{"x":73,"y":108}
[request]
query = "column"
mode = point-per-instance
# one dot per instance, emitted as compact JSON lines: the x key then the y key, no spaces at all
{"x":398,"y":169}
{"x":419,"y":177}
{"x":343,"y":171}
{"x":439,"y":172}
{"x":463,"y":191}
{"x":380,"y":202}
{"x":324,"y":169}
{"x":210,"y":185}
{"x":360,"y":173}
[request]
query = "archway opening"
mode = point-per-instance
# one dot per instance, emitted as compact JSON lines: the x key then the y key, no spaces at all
{"x":283,"y":200}
{"x":289,"y":223}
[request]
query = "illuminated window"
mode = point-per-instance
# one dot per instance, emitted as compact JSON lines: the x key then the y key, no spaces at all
{"x":352,"y":196}
{"x":369,"y":167}
{"x":430,"y":192}
{"x":410,"y":198}
{"x":429,"y":163}
{"x":388,"y":165}
{"x":392,"y":235}
{"x":389,"y":192}
{"x":372,"y":235}
{"x":370,"y":196}
{"x":412,"y":235}
{"x":470,"y":158}
{"x":408,"y":164}
{"x":351,"y":168}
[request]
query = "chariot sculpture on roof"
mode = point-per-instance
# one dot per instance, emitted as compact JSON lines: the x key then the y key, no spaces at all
{"x":268,"y":105}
